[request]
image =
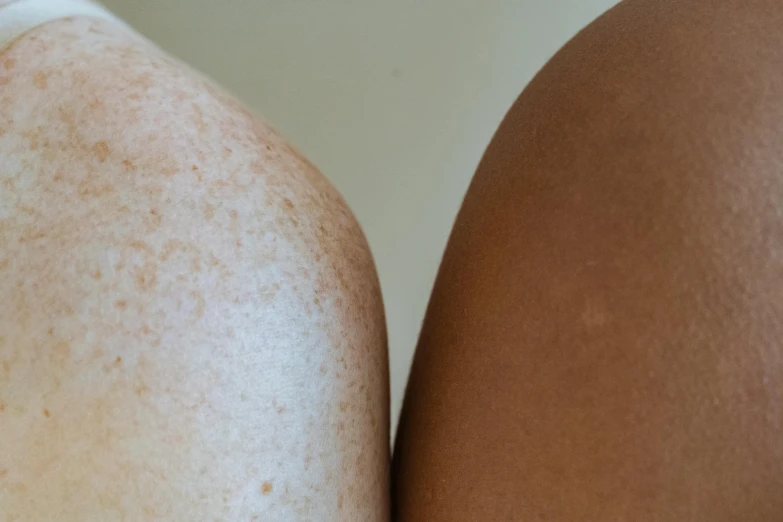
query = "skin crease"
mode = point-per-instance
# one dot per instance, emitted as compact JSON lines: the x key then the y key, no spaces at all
{"x":191,"y":326}
{"x":603,"y":340}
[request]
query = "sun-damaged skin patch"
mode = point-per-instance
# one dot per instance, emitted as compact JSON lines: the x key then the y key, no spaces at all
{"x":187,"y":297}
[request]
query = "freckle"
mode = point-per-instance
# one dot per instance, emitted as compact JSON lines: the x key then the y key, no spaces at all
{"x":141,"y":246}
{"x":200,"y":304}
{"x":47,"y":413}
{"x":239,"y":244}
{"x":134,"y":96}
{"x":322,"y":369}
{"x":9,"y":63}
{"x":343,"y":406}
{"x":50,"y":331}
{"x":2,"y":409}
{"x":340,"y":501}
{"x":41,"y":80}
{"x":97,"y":274}
{"x":209,"y":211}
{"x":266,"y":488}
{"x":118,"y":361}
{"x":288,"y":203}
{"x":101,"y":150}
{"x":128,"y":165}
{"x":169,"y":167}
{"x":121,"y":304}
{"x":4,"y":264}
{"x":146,"y":276}
{"x":62,"y":349}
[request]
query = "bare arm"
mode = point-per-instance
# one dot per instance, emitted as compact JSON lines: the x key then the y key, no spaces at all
{"x":603,"y":341}
{"x":190,"y":318}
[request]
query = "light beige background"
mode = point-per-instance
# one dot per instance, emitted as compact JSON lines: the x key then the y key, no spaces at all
{"x":395,"y":101}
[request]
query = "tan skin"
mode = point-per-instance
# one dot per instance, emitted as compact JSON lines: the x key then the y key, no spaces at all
{"x":603,"y":341}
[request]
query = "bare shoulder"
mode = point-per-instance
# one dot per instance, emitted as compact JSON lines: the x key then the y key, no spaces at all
{"x":600,"y":342}
{"x":186,"y":300}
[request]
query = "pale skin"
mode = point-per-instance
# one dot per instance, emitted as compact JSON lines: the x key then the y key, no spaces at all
{"x":192,"y":329}
{"x":191,"y":326}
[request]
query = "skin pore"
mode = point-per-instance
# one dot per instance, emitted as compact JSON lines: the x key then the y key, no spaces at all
{"x":603,"y":340}
{"x":191,"y":326}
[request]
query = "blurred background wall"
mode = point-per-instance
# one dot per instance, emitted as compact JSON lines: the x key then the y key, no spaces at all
{"x":394,"y":100}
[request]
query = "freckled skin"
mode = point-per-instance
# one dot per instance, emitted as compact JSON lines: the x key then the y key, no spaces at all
{"x":603,"y":342}
{"x":160,"y":252}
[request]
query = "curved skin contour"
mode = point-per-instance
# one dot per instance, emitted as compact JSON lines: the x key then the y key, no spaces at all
{"x":190,"y":325}
{"x":604,"y":338}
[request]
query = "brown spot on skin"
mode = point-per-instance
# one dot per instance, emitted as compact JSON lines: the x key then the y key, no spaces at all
{"x":146,"y":276}
{"x":200,"y":304}
{"x":2,"y":409}
{"x":135,"y":96}
{"x":4,"y":264}
{"x":97,"y":274}
{"x":266,"y":488}
{"x":101,"y":150}
{"x":47,"y":413}
{"x":89,"y":188}
{"x":153,"y":220}
{"x":200,"y":123}
{"x":169,"y":167}
{"x":194,"y":168}
{"x":174,"y":245}
{"x":343,"y":406}
{"x":288,"y":203}
{"x":129,"y":166}
{"x":141,"y":246}
{"x":143,"y":81}
{"x":121,"y":304}
{"x":209,"y":211}
{"x":41,"y":80}
{"x":62,"y":349}
{"x":10,"y":63}
{"x":340,"y":501}
{"x":50,"y":331}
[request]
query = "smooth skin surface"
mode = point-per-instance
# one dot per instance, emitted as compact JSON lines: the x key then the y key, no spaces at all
{"x":190,"y":324}
{"x":603,"y":342}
